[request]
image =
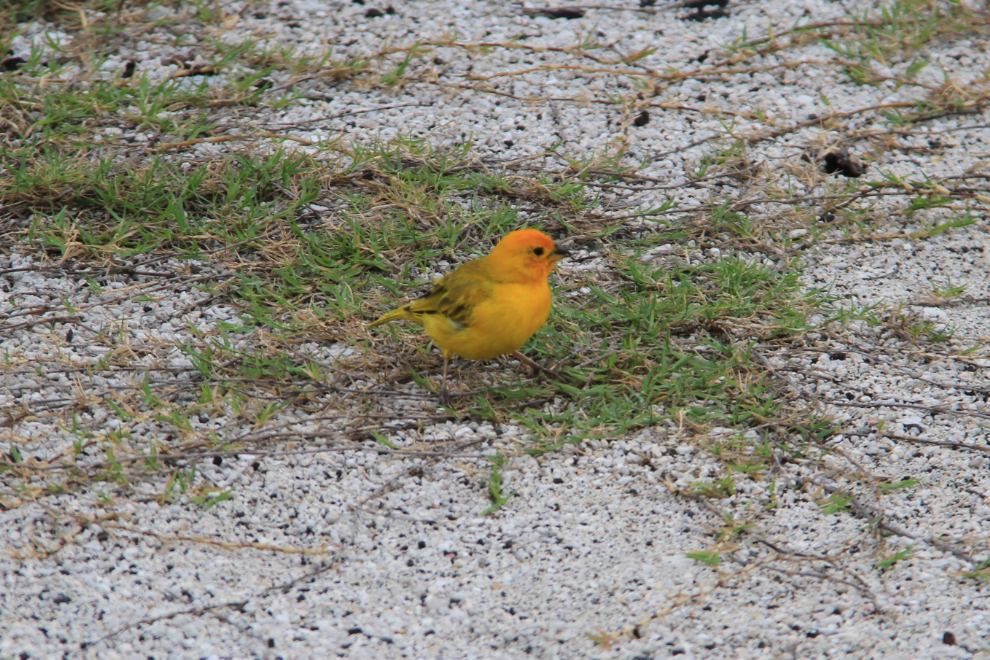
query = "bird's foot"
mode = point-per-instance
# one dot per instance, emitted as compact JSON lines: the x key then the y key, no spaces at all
{"x":444,"y":396}
{"x":536,"y":368}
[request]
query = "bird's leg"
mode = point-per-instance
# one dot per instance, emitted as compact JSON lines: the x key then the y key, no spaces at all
{"x":534,"y":366}
{"x":444,"y":393}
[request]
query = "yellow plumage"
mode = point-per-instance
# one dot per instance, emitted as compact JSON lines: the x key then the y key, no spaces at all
{"x":489,"y":306}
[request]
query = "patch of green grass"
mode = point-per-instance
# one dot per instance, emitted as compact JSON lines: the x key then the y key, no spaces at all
{"x":211,"y":497}
{"x":732,"y":527}
{"x":906,"y":482}
{"x":22,"y":11}
{"x":717,"y":489}
{"x":391,"y":212}
{"x":980,"y":572}
{"x":836,"y":502}
{"x":914,"y":328}
{"x":498,"y":499}
{"x":948,"y":292}
{"x":888,"y":562}
{"x":709,"y":557}
{"x":888,"y":43}
{"x":675,"y":343}
{"x":896,"y":30}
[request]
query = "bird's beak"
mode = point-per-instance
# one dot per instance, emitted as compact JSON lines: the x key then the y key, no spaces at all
{"x":559,"y":253}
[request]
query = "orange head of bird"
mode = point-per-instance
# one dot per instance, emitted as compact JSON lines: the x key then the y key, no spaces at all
{"x":528,"y":253}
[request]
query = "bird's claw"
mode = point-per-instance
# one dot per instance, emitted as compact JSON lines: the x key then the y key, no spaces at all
{"x":535,"y":368}
{"x":444,"y":397}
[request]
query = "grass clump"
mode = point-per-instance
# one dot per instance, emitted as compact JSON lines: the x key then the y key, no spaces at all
{"x":317,"y":242}
{"x":673,"y":342}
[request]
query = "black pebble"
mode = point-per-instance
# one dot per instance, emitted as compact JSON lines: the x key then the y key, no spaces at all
{"x":557,"y":12}
{"x":12,"y":63}
{"x":840,"y":162}
{"x":704,"y":14}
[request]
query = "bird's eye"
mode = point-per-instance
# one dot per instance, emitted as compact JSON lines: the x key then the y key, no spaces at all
{"x":538,"y":251}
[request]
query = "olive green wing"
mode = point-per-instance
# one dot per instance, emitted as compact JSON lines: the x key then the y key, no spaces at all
{"x":456,"y":296}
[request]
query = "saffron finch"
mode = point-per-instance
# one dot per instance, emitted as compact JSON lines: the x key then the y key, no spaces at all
{"x":488,"y":306}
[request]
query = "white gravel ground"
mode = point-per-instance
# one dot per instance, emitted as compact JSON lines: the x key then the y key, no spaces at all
{"x":363,"y":554}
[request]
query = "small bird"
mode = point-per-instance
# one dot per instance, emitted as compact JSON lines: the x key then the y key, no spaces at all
{"x":488,"y":306}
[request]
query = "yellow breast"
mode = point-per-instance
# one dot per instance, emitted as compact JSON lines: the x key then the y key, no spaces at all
{"x":499,"y":325}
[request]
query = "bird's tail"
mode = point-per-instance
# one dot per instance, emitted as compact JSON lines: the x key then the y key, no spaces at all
{"x":394,"y":315}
